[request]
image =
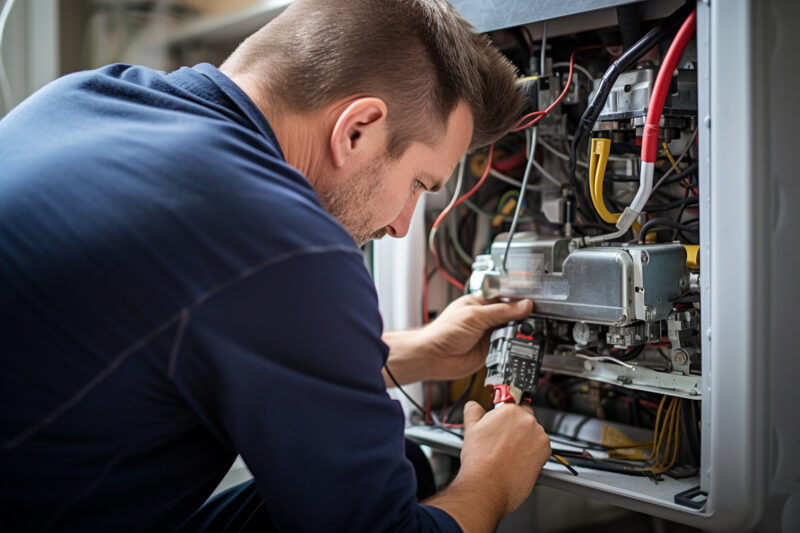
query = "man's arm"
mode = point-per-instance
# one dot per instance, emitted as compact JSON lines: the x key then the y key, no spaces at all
{"x":284,"y":367}
{"x":452,"y":346}
{"x":503,"y":453}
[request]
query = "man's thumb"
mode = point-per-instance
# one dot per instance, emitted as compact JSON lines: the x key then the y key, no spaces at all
{"x":472,"y":413}
{"x":503,"y":312}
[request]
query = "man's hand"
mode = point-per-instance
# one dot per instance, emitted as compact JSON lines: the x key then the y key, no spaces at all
{"x":458,"y":340}
{"x":503,"y":453}
{"x":452,"y":346}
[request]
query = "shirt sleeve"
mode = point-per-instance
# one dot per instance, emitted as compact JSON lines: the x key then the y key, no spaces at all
{"x":284,"y":366}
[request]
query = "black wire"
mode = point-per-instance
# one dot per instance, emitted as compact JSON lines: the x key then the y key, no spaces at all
{"x":620,"y":177}
{"x":578,"y":459}
{"x":665,"y":223}
{"x":682,"y":203}
{"x":461,"y":398}
{"x":419,"y":408}
{"x":402,"y":390}
{"x":688,"y":299}
{"x":680,"y":215}
{"x":629,"y":354}
{"x":688,"y":171}
{"x":625,"y":61}
{"x":589,"y":445}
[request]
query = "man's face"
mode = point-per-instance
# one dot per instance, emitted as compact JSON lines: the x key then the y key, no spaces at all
{"x":379,"y":198}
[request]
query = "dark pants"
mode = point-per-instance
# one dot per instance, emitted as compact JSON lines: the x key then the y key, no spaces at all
{"x":241,"y":508}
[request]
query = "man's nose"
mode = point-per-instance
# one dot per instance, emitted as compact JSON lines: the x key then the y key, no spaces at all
{"x":399,"y":226}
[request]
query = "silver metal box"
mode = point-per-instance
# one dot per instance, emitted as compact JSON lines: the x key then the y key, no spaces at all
{"x":611,"y":285}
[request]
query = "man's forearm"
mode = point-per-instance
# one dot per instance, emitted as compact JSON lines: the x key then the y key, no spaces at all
{"x":475,"y":510}
{"x":408,"y":359}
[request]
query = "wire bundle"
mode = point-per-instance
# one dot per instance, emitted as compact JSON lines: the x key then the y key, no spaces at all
{"x":666,"y":436}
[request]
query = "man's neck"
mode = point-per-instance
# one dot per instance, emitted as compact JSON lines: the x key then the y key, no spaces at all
{"x":295,"y":131}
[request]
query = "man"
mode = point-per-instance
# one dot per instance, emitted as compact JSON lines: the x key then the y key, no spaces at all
{"x":180,"y":281}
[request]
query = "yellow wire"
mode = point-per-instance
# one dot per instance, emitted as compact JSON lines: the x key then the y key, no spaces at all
{"x":665,"y":446}
{"x":672,"y":425}
{"x":667,"y":153}
{"x":677,"y":437}
{"x":598,"y":159}
{"x":668,"y":443}
{"x":665,"y":430}
{"x":655,"y":427}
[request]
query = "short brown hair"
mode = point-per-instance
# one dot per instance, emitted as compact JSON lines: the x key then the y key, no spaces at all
{"x":420,"y":56}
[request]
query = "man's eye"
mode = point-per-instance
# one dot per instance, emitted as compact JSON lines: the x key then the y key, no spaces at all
{"x":418,"y":184}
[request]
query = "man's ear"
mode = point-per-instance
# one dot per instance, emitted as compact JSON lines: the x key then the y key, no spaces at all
{"x":360,"y":132}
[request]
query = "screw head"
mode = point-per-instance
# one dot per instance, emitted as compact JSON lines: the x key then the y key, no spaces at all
{"x":680,"y":358}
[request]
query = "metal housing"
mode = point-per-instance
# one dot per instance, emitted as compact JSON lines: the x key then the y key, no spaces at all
{"x":611,"y":285}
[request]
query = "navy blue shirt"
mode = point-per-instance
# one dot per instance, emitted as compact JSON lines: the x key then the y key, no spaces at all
{"x":172,"y":294}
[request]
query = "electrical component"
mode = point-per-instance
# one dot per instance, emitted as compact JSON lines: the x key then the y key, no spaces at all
{"x":605,"y":285}
{"x":514,"y":361}
{"x":624,"y":113}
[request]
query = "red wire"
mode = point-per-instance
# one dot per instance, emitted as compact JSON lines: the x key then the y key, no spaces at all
{"x":538,"y":116}
{"x":471,"y":191}
{"x":444,"y":213}
{"x":480,"y":181}
{"x":661,"y":86}
{"x":521,"y":125}
{"x":450,"y":279}
{"x":511,"y":162}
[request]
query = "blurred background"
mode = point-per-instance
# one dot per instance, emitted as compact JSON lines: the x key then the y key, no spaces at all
{"x":41,"y":40}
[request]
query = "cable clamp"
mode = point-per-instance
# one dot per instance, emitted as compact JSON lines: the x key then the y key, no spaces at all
{"x":627,"y":219}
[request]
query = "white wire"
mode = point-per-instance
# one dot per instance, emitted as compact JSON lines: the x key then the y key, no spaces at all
{"x":677,"y":162}
{"x":5,"y":86}
{"x":604,"y":358}
{"x":459,"y":181}
{"x":575,"y":66}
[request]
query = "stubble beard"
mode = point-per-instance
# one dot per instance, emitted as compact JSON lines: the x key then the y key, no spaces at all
{"x":350,"y":202}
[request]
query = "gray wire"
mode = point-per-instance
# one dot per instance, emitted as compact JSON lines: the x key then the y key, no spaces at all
{"x":542,"y":60}
{"x":559,"y":154}
{"x":5,"y":86}
{"x":484,"y":212}
{"x":452,"y":225}
{"x":518,"y":184}
{"x":546,"y":174}
{"x":527,"y":175}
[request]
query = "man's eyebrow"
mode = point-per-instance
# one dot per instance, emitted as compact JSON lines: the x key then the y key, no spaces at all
{"x":428,"y":178}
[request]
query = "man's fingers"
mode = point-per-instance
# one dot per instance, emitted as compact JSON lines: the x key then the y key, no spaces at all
{"x":500,"y":313}
{"x":472,"y":413}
